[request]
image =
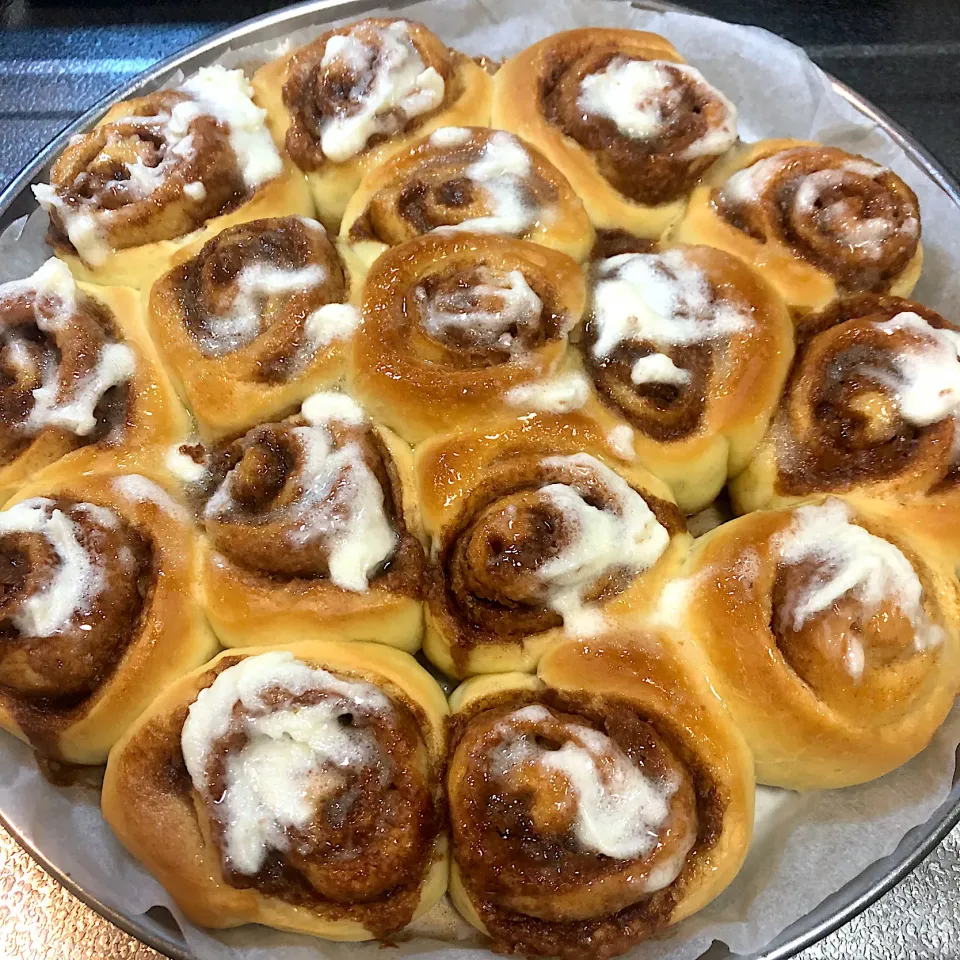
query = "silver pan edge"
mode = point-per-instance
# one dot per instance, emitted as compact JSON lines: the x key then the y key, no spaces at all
{"x":16,"y":200}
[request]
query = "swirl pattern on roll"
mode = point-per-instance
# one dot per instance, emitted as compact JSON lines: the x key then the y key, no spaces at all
{"x":318,"y":788}
{"x":469,"y":178}
{"x":652,"y":125}
{"x":832,"y":637}
{"x":159,"y":166}
{"x":66,"y":378}
{"x":596,"y":803}
{"x":270,"y":293}
{"x":356,"y":86}
{"x":74,"y":580}
{"x":452,"y":322}
{"x":659,"y":338}
{"x":853,"y":219}
{"x":542,"y":543}
{"x":871,"y":401}
{"x":315,"y":497}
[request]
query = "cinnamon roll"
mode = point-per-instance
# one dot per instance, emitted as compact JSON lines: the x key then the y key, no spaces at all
{"x":255,"y":320}
{"x":596,"y":803}
{"x":627,"y":122}
{"x":466,"y":178}
{"x":453,"y":322}
{"x":829,"y":634}
{"x":356,"y":95}
{"x":162,"y":169}
{"x":98,"y":609}
{"x":311,"y":530}
{"x":537,"y":531}
{"x":690,"y":349}
{"x":77,"y":371}
{"x":296,"y":787}
{"x":816,"y":221}
{"x":869,"y":411}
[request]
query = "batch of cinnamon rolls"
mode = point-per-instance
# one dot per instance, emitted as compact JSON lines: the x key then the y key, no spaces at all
{"x":386,"y":366}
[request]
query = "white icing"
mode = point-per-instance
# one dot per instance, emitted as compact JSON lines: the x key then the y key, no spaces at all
{"x":332,"y":321}
{"x":658,"y":368}
{"x":620,"y":439}
{"x":77,"y":578}
{"x":117,"y":364}
{"x":196,"y":191}
{"x":339,"y":501}
{"x":642,"y":96}
{"x":449,"y":312}
{"x":292,"y":758}
{"x":183,"y":467}
{"x":327,"y":406}
{"x":450,"y":136}
{"x":620,"y":809}
{"x":852,"y":562}
{"x":499,"y":172}
{"x":561,"y":394}
{"x":662,"y":299}
{"x":400,"y":85}
{"x":927,"y":380}
{"x":255,"y":283}
{"x":625,"y":535}
{"x":53,"y":283}
{"x":138,"y":488}
{"x":225,"y":95}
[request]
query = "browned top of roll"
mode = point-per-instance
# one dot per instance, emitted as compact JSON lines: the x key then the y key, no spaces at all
{"x":852,"y":218}
{"x":844,"y":421}
{"x":64,"y":375}
{"x":335,"y":83}
{"x":551,"y":879}
{"x":685,"y":125}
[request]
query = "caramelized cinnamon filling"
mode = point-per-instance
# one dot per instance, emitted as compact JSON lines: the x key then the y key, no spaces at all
{"x":661,"y":411}
{"x":855,"y":220}
{"x":533,"y":874}
{"x":93,"y":176}
{"x":59,"y":364}
{"x":477,"y":315}
{"x":649,"y":171}
{"x":840,"y":408}
{"x":369,"y":839}
{"x":486,"y":180}
{"x":255,"y":495}
{"x":60,"y":660}
{"x":488,"y":576}
{"x":321,"y":89}
{"x":255,"y":286}
{"x":848,"y":655}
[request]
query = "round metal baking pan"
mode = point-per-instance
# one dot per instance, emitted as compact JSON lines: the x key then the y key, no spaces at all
{"x":16,"y":200}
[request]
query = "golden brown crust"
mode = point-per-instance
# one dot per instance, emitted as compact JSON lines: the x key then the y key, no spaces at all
{"x":152,"y":804}
{"x":141,"y":232}
{"x":833,"y":698}
{"x":625,"y":182}
{"x":139,"y":411}
{"x":840,"y":429}
{"x":492,"y":527}
{"x":816,"y":221}
{"x":695,"y":434}
{"x":149,"y":631}
{"x":263,"y":583}
{"x":235,"y":377}
{"x":430,"y":186}
{"x":452,"y":322}
{"x":535,"y":890}
{"x":298,"y":93}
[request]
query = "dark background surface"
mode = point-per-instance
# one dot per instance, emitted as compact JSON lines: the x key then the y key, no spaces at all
{"x":904,"y":55}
